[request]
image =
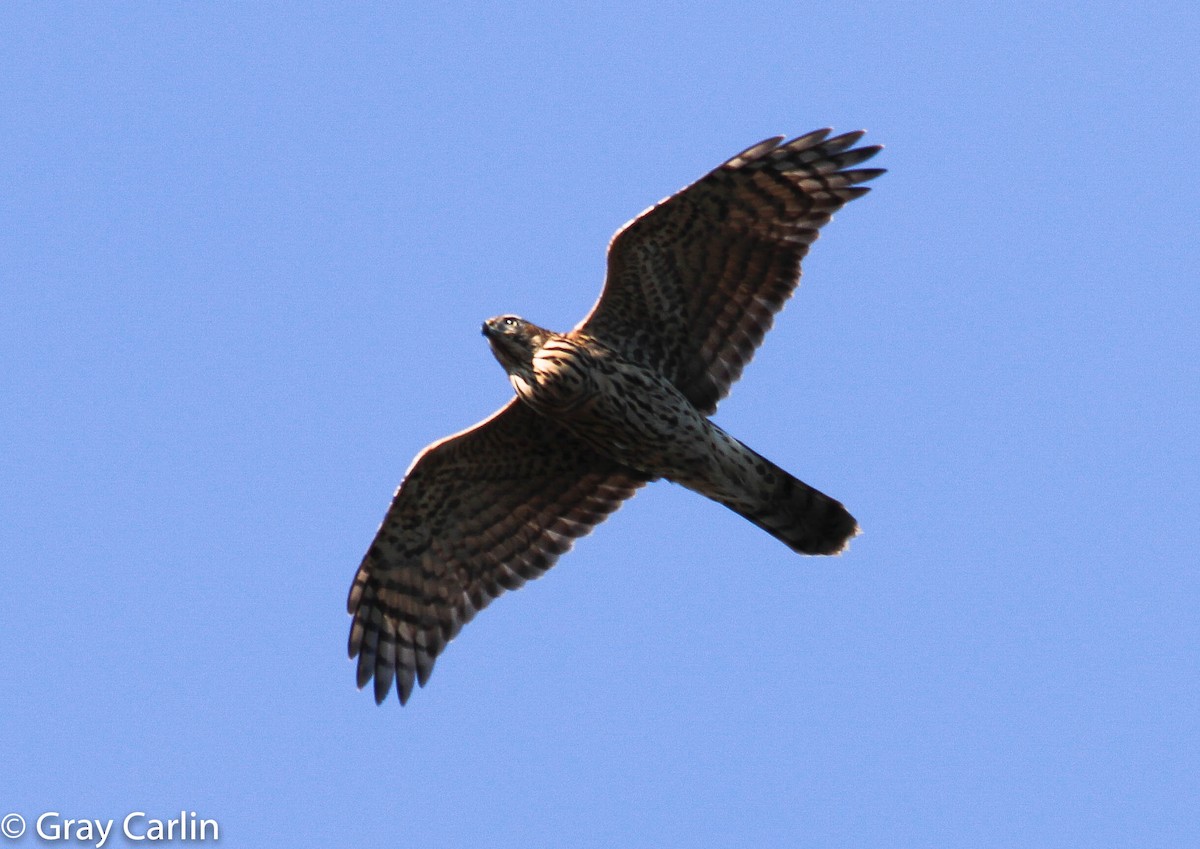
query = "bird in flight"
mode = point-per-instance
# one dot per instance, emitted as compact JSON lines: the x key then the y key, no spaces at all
{"x":693,"y":284}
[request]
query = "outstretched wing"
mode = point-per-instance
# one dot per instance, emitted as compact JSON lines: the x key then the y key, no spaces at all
{"x":694,"y":282}
{"x":478,"y":513}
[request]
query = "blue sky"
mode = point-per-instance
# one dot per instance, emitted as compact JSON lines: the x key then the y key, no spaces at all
{"x":244,"y":253}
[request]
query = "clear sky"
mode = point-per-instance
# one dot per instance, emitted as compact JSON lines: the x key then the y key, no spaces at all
{"x":245,"y":251}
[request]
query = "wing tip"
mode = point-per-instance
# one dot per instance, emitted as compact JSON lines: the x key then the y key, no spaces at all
{"x":753,"y":152}
{"x":863,"y":175}
{"x":809,"y":139}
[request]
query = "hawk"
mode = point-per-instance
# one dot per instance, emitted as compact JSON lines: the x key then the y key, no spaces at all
{"x":693,"y":284}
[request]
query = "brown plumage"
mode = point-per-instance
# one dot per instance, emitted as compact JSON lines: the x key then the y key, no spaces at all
{"x":693,"y":285}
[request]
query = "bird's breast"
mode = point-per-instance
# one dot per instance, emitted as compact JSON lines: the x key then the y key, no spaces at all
{"x":625,"y":411}
{"x":638,"y":418}
{"x":563,"y":379}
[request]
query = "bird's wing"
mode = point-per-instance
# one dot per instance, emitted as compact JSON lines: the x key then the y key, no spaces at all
{"x":695,"y":281}
{"x":478,"y":513}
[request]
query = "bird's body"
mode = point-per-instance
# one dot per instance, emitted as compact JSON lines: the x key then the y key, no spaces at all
{"x":635,"y":416}
{"x":621,"y":400}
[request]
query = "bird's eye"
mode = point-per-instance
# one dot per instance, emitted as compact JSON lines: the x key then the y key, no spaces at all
{"x":509,"y":321}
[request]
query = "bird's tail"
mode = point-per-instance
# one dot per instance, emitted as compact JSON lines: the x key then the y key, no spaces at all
{"x":802,"y":518}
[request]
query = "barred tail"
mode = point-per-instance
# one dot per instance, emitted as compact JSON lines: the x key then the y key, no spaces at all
{"x":802,"y":518}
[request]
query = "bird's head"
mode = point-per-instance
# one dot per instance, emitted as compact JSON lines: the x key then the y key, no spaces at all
{"x":514,"y":341}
